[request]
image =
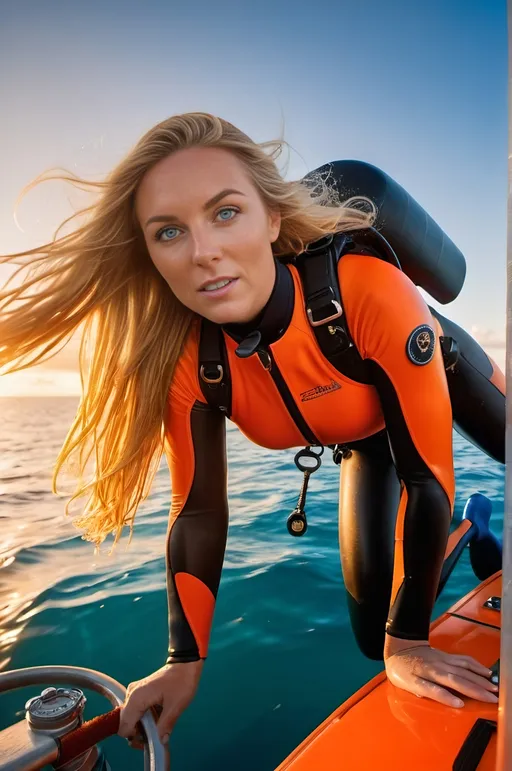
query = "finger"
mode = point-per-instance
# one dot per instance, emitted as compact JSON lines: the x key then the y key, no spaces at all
{"x":156,"y":709}
{"x":131,"y":713}
{"x":461,"y":685}
{"x":466,"y":674}
{"x":429,"y":690}
{"x":467,"y":662}
{"x":136,"y":742}
{"x":131,"y":687}
{"x":166,"y":724}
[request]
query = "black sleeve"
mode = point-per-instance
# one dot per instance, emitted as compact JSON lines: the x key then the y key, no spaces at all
{"x":426,"y":523}
{"x":197,"y":533}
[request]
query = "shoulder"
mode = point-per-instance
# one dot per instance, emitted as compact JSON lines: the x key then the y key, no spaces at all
{"x":185,"y":382}
{"x":382,"y":305}
{"x":373,"y":279}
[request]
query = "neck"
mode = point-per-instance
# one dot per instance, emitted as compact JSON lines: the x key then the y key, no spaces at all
{"x":275,"y":316}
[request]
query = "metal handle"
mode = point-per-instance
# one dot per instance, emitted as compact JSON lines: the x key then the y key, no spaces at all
{"x":155,"y":755}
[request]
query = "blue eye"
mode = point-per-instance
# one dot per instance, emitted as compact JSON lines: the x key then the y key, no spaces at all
{"x":230,"y":210}
{"x":161,"y":232}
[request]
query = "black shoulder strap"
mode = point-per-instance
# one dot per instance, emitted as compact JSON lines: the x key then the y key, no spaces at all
{"x":214,"y":377}
{"x":324,"y":304}
{"x":318,"y":271}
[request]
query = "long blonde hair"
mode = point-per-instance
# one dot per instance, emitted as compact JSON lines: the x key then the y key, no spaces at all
{"x":100,"y":277}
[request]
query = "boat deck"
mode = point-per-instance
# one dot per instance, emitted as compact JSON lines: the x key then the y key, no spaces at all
{"x":383,"y":728}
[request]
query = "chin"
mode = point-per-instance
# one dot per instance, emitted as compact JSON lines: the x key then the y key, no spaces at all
{"x":227,"y":318}
{"x":227,"y":315}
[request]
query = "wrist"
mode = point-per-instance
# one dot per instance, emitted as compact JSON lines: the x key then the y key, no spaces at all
{"x":394,"y":645}
{"x":175,"y":659}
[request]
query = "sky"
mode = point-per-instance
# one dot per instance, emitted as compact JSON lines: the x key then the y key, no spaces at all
{"x":419,"y":90}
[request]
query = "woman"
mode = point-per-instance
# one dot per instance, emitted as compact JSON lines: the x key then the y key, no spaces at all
{"x":193,"y":227}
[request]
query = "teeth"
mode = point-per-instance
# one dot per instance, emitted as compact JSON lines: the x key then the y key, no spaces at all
{"x":217,"y":285}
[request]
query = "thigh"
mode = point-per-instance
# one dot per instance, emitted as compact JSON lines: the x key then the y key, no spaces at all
{"x":369,"y":500}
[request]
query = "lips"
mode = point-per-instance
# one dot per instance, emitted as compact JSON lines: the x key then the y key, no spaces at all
{"x":214,"y":294}
{"x":214,"y":282}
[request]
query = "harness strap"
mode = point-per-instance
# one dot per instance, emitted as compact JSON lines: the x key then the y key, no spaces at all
{"x":214,"y":375}
{"x":318,"y":271}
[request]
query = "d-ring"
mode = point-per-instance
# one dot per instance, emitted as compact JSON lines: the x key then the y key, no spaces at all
{"x":212,"y":380}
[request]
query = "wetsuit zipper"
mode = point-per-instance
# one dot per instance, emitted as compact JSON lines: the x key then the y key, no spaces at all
{"x":285,"y":393}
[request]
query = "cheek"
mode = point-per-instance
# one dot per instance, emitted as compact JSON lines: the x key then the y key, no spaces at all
{"x":254,"y":248}
{"x":174,"y":271}
{"x":260,"y":260}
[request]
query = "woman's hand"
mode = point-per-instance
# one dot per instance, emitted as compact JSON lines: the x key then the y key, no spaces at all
{"x":168,"y":691}
{"x":428,"y":672}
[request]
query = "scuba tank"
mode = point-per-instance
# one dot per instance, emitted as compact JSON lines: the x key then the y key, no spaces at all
{"x":426,"y":254}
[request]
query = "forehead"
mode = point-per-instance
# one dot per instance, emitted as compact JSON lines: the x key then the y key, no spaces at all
{"x":189,"y":178}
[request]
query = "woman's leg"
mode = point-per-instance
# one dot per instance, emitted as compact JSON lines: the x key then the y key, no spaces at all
{"x":369,"y":499}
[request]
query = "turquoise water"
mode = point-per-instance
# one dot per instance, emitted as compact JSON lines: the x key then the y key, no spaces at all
{"x":282,"y":656}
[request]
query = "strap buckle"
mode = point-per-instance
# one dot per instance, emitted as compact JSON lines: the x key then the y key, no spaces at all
{"x":212,"y":380}
{"x":338,"y":310}
{"x":321,"y":276}
{"x":450,"y":351}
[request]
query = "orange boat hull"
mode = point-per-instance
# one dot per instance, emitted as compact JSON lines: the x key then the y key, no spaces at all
{"x":382,"y":727}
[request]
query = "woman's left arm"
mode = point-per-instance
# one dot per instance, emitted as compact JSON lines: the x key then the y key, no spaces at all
{"x":406,"y":366}
{"x":395,"y":332}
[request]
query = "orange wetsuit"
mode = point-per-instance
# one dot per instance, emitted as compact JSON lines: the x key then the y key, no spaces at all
{"x":397,"y":477}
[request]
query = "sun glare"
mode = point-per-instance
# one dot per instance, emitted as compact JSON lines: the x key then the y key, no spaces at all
{"x":40,"y":382}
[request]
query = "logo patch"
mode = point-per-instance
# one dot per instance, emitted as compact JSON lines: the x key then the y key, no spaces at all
{"x":421,"y":344}
{"x":314,"y":393}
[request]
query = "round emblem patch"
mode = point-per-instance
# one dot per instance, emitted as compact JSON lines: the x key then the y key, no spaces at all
{"x":421,"y":344}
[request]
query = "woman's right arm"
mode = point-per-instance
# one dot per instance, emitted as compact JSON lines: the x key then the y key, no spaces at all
{"x":197,"y":533}
{"x":195,"y":446}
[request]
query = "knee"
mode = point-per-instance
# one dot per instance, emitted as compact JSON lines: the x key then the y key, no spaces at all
{"x":368,"y":621}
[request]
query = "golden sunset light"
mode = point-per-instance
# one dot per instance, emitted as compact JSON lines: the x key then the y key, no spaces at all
{"x":39,"y":381}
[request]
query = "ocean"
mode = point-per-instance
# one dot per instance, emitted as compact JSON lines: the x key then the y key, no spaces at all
{"x":281,"y":656}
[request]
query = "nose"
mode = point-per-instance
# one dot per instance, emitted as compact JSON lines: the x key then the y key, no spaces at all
{"x":205,"y":248}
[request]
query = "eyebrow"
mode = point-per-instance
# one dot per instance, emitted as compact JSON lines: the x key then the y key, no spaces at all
{"x":216,"y":198}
